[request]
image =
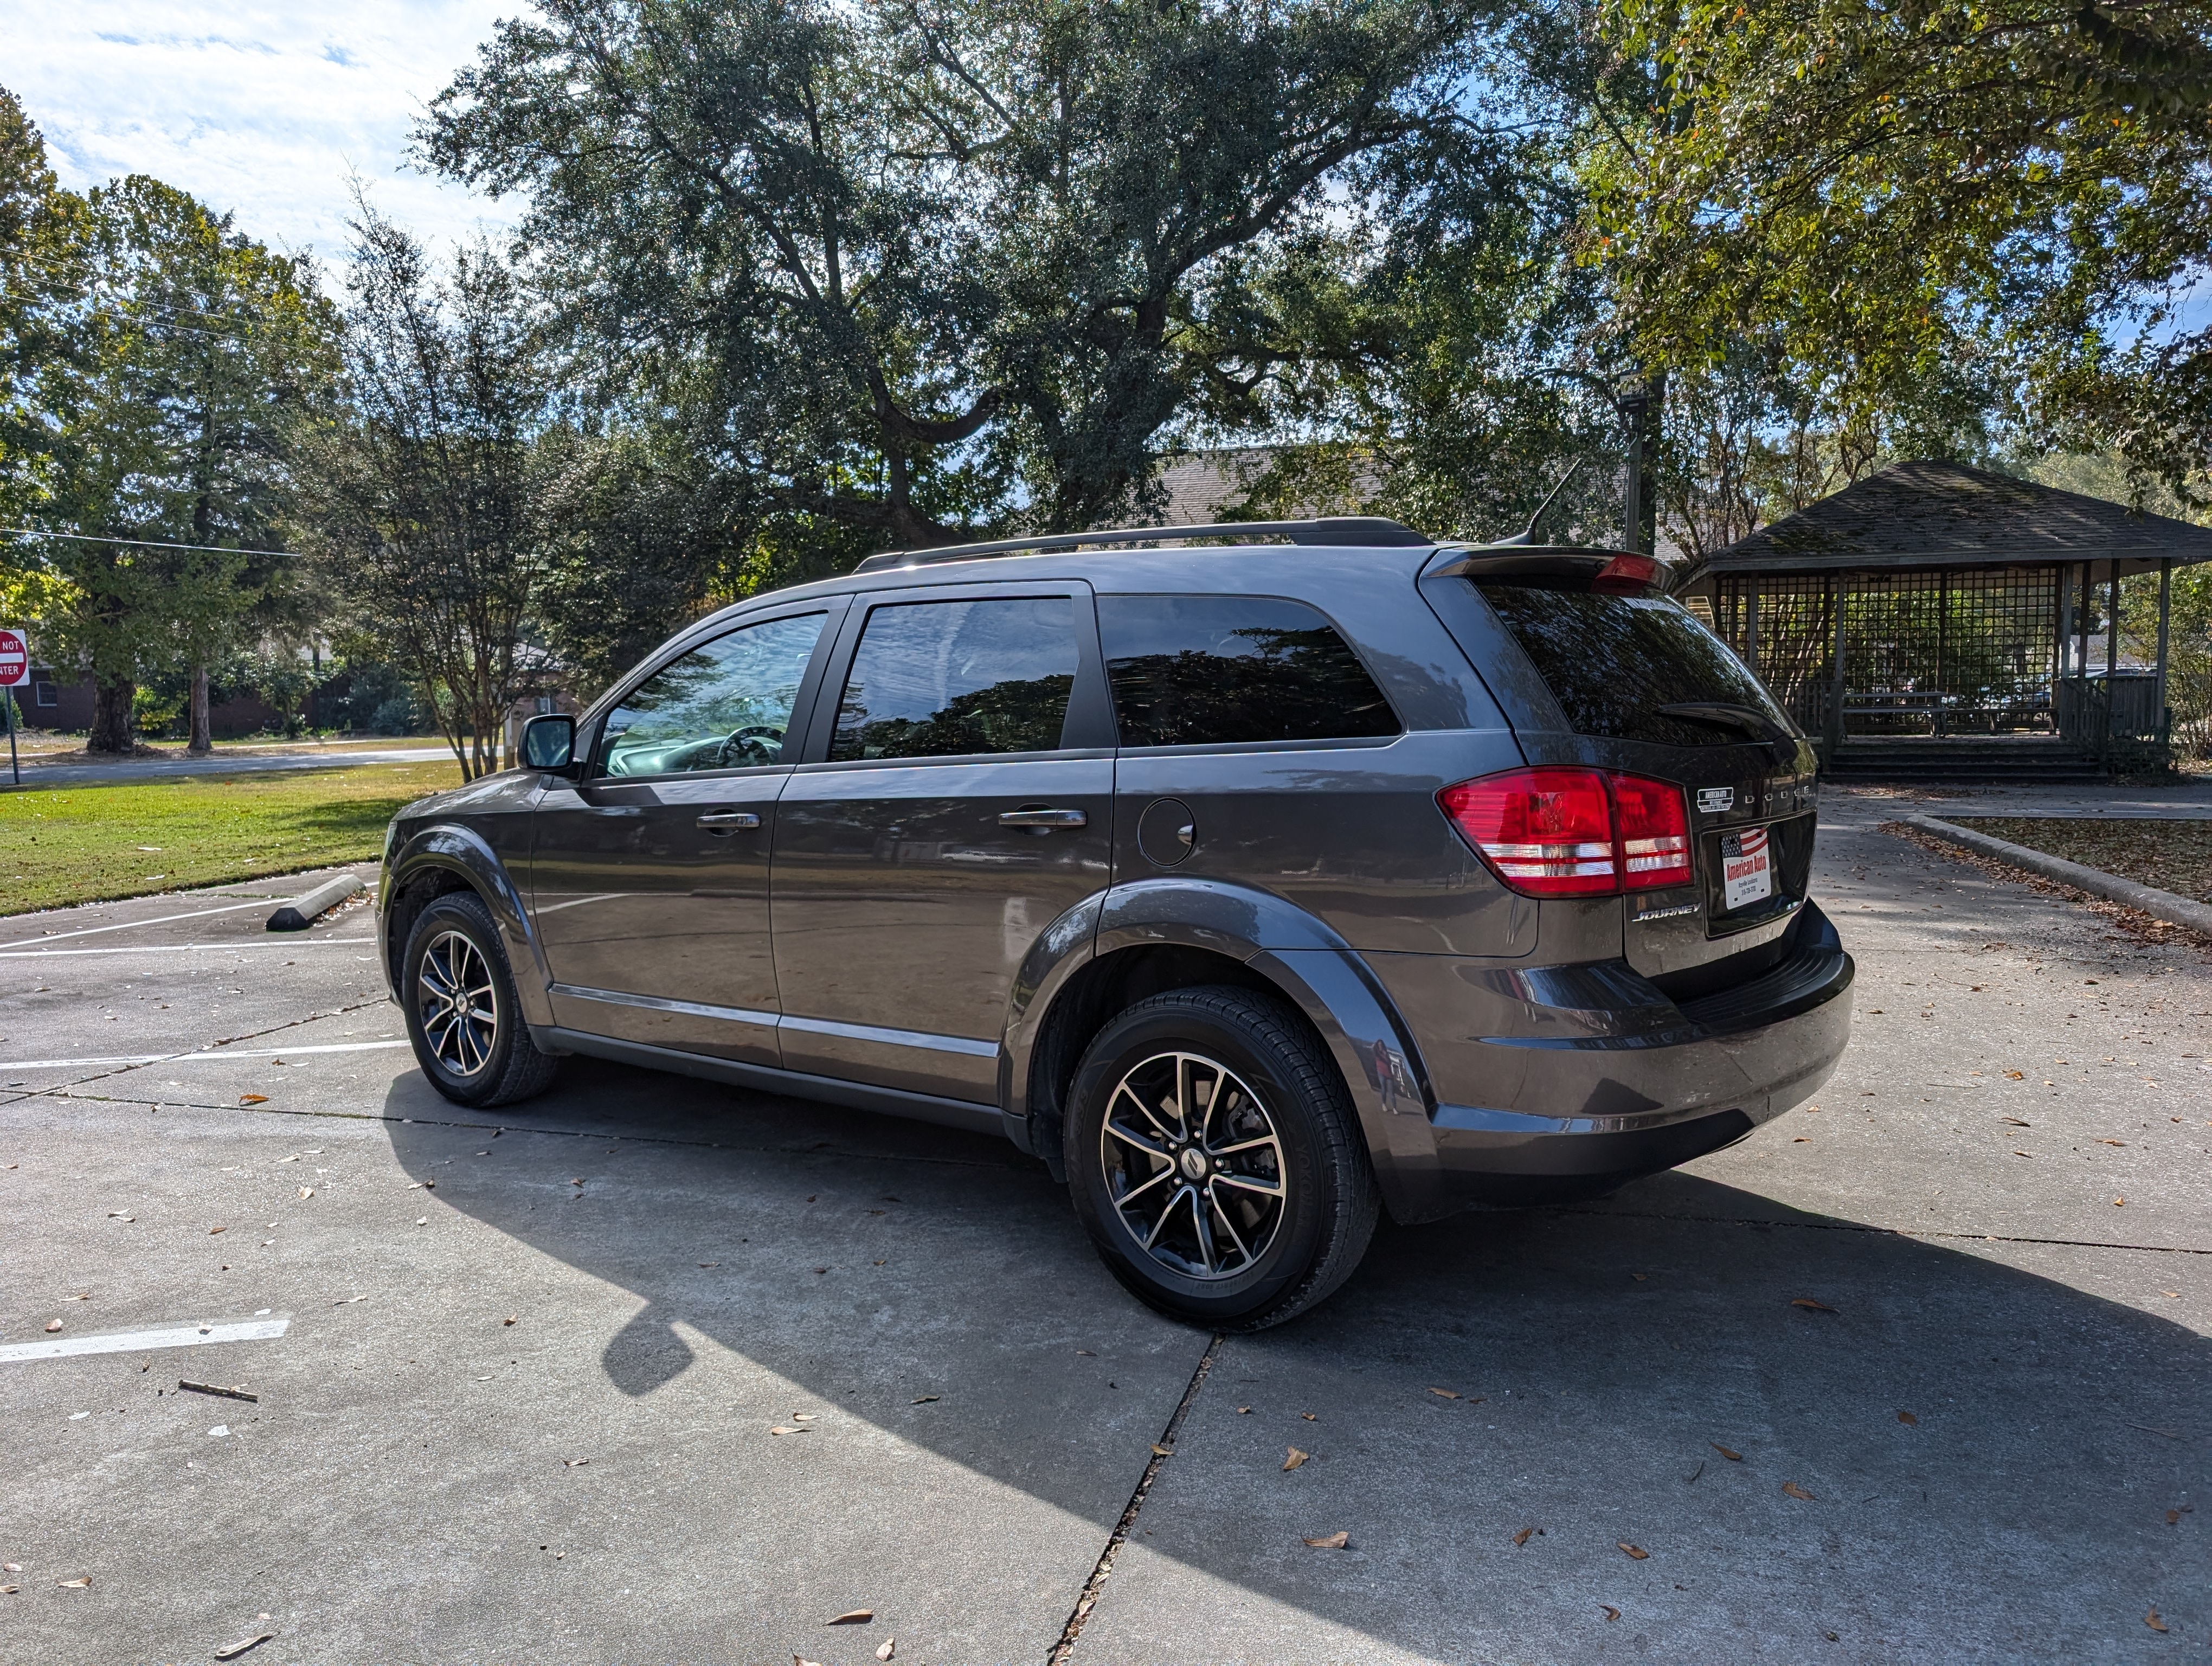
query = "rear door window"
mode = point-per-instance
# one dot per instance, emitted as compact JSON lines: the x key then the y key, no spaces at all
{"x":958,"y":679}
{"x":1218,"y":670}
{"x":1613,"y":660}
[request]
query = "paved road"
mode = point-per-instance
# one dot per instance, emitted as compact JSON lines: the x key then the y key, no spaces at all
{"x":38,"y":773}
{"x":2005,"y":1389}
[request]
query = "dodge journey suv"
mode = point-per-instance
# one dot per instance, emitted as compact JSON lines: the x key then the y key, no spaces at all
{"x":1255,"y":884}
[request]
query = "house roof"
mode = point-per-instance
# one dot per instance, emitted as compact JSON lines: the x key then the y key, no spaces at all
{"x":1928,"y":515}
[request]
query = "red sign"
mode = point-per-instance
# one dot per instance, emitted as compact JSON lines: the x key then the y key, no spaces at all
{"x":14,"y":659}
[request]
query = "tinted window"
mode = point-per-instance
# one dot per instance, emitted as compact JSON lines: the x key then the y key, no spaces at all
{"x":723,"y":706}
{"x":949,"y":679}
{"x":1613,"y":660}
{"x":1213,"y":670}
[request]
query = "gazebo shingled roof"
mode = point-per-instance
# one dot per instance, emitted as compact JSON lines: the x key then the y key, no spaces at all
{"x":1927,"y":515}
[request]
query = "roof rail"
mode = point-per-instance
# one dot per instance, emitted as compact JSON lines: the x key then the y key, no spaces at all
{"x":1358,"y":531}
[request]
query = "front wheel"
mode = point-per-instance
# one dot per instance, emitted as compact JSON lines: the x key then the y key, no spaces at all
{"x":1216,"y":1160}
{"x":462,"y":1014}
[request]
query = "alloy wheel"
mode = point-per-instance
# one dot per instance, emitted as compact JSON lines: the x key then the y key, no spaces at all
{"x":1193,"y":1165}
{"x":457,"y":1002}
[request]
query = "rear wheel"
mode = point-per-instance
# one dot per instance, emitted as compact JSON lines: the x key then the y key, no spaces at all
{"x":1216,"y":1160}
{"x":462,"y":1014}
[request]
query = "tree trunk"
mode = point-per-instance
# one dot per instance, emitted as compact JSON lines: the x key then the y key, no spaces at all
{"x":202,"y":741}
{"x":112,"y":730}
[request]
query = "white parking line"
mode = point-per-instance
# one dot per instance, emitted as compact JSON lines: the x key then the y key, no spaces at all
{"x":205,"y":1053}
{"x":131,"y":1341}
{"x":184,"y":948}
{"x":124,"y":926}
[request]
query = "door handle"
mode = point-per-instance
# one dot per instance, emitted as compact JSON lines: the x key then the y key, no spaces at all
{"x":1044,"y":820}
{"x":728,"y":821}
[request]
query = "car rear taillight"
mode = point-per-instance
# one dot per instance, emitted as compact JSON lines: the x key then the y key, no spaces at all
{"x":1547,"y":832}
{"x":1562,"y":832}
{"x":1654,"y":833}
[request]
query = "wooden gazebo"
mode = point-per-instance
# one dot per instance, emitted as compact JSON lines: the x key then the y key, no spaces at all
{"x":1945,"y":611}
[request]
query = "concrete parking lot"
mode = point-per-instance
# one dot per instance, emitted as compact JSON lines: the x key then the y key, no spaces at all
{"x":652,"y":1370}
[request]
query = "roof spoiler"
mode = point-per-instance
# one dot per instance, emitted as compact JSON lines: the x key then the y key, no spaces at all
{"x":1352,"y":531}
{"x":1609,"y":572}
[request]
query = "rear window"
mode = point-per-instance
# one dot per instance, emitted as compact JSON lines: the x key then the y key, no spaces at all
{"x":1192,"y":670}
{"x":1613,"y":661}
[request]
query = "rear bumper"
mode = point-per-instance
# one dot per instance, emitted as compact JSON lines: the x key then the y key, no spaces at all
{"x":1587,"y":1097}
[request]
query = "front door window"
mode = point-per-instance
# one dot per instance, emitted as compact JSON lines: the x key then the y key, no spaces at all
{"x":725,"y":705}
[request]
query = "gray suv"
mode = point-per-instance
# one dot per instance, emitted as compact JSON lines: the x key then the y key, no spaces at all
{"x":1255,"y":885}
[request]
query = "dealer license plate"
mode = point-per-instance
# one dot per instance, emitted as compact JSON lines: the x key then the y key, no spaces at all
{"x":1746,"y":868}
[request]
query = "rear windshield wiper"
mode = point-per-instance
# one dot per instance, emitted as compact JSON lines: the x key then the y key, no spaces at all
{"x":1747,"y":720}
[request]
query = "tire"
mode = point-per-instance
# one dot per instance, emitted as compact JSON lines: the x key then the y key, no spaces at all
{"x":471,"y":1058}
{"x":1275,"y":1109}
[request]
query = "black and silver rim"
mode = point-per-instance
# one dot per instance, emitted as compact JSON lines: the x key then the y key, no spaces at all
{"x":457,"y":1003}
{"x":1193,"y":1165}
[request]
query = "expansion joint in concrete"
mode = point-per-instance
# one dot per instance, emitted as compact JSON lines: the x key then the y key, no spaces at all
{"x":1162,"y":1449}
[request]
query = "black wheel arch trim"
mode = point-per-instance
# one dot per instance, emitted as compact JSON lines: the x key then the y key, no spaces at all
{"x":443,"y":846}
{"x":1293,"y":952}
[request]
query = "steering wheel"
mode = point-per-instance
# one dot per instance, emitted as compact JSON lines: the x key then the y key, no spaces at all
{"x":745,"y":744}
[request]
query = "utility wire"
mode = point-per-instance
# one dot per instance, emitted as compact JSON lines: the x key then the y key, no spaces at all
{"x":149,"y":544}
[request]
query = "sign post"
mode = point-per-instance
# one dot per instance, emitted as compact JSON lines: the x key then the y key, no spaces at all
{"x":14,"y":673}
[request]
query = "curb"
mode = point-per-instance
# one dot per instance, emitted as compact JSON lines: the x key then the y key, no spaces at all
{"x":2159,"y":904}
{"x":303,"y":910}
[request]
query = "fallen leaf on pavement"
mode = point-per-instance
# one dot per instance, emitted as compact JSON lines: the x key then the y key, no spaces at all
{"x":1159,"y":1451}
{"x":803,"y":1417}
{"x":9,"y":1590}
{"x":2152,"y":1620}
{"x":1796,"y":1492}
{"x":83,"y":1582}
{"x":1296,"y":1458}
{"x":307,"y":1191}
{"x":1445,"y":1394}
{"x":253,"y":1099}
{"x":1906,"y":1417}
{"x":1243,"y":1411}
{"x":885,"y":1649}
{"x":1522,"y":1537}
{"x":2112,"y":1142}
{"x":1309,"y":1417}
{"x":2015,"y":1075}
{"x":923,"y":1399}
{"x":788,"y":1429}
{"x":2173,"y":1517}
{"x":1732,"y":1456}
{"x":801,"y":1660}
{"x":2119,"y":1203}
{"x":2017,"y":1123}
{"x":214,"y":1230}
{"x":1640,"y":1555}
{"x":231,"y":1651}
{"x":1611,"y":1612}
{"x":1334,"y":1542}
{"x":1807,"y":1301}
{"x":506,"y":1321}
{"x":53,"y":1324}
{"x":853,"y":1617}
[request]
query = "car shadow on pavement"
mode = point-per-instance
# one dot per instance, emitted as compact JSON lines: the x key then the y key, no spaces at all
{"x":1820,"y":1436}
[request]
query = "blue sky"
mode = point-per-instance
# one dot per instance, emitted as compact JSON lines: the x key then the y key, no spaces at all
{"x":258,"y":108}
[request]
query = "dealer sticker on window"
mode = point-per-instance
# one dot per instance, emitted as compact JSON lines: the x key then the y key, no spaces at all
{"x":1747,"y":869}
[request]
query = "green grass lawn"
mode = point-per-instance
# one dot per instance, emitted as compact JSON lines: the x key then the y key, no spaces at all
{"x":87,"y":844}
{"x":2173,"y":855}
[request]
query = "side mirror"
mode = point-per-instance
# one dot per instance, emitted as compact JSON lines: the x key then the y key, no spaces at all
{"x":549,"y":742}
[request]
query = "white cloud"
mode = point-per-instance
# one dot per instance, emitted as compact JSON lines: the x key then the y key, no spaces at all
{"x":258,"y":108}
